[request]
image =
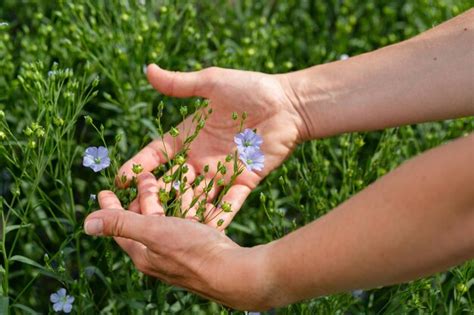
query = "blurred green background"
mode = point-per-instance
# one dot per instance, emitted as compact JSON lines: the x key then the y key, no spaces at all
{"x":45,"y":190}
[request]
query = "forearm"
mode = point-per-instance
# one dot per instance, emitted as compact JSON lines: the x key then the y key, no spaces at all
{"x":413,"y":222}
{"x":426,"y":78}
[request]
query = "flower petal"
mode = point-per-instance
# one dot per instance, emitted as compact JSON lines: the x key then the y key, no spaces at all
{"x":96,"y":167}
{"x":88,"y":161}
{"x":61,"y":292}
{"x":57,"y":307}
{"x":67,"y":308}
{"x":105,"y":162}
{"x":70,"y":299}
{"x":102,"y":152}
{"x":54,"y":298}
{"x":91,"y":151}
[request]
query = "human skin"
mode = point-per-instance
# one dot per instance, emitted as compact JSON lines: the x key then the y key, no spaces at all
{"x":382,"y":235}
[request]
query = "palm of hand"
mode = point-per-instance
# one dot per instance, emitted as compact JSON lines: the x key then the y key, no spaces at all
{"x":269,"y":109}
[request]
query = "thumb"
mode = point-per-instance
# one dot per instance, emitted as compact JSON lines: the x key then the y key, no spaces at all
{"x":119,"y":223}
{"x":181,"y":84}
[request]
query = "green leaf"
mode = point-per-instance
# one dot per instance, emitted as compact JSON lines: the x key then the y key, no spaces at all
{"x":27,"y":261}
{"x":16,"y":227}
{"x":26,"y":309}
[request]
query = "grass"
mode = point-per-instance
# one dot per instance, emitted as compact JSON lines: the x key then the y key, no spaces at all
{"x":63,"y":60}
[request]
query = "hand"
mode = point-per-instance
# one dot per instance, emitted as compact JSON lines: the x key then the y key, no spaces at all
{"x":270,"y":111}
{"x":183,"y":252}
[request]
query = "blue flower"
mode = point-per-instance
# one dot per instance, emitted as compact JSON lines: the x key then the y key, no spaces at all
{"x":93,"y":197}
{"x":176,"y":184}
{"x":253,"y":158}
{"x":96,"y":158}
{"x":247,"y":139}
{"x":61,"y":301}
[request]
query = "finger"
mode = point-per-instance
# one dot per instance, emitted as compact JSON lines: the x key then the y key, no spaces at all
{"x":186,"y":200}
{"x":148,"y":194}
{"x":192,"y":212}
{"x":207,"y":190}
{"x":181,"y":84}
{"x":137,"y":252}
{"x":236,"y":197}
{"x":135,"y":206}
{"x":108,"y":200}
{"x":157,"y":152}
{"x":125,"y":224}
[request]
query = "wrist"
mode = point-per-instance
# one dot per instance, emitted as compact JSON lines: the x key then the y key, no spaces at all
{"x":309,"y":95}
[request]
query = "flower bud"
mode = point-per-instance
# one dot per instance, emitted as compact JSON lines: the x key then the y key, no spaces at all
{"x":40,"y":132}
{"x":137,"y":168}
{"x":58,"y":121}
{"x":3,"y":136}
{"x":88,"y":119}
{"x":167,"y":179}
{"x":28,"y":131}
{"x":180,"y":159}
{"x":183,"y":110}
{"x":32,"y":144}
{"x":174,"y":132}
{"x":95,"y":82}
{"x":226,"y":207}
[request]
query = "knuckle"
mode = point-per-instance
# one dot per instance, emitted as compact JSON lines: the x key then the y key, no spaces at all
{"x":118,"y":224}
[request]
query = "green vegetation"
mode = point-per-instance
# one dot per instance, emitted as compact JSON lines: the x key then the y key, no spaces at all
{"x":61,"y":61}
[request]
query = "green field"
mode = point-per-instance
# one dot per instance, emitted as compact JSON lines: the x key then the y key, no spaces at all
{"x":61,"y":61}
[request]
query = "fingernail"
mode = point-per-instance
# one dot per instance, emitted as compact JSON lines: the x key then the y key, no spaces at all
{"x":94,"y":227}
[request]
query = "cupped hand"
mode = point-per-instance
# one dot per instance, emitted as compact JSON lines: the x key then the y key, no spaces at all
{"x":183,"y":252}
{"x":271,"y":111}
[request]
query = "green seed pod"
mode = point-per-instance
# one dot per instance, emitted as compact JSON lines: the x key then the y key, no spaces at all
{"x":234,"y":116}
{"x":137,"y":168}
{"x":88,"y":119}
{"x":223,"y":170}
{"x":167,"y":179}
{"x":183,"y":110}
{"x":180,"y":160}
{"x":174,"y":132}
{"x":28,"y":131}
{"x":32,"y":144}
{"x":226,"y":207}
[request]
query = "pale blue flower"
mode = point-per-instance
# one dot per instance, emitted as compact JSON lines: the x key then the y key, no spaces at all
{"x":96,"y":158}
{"x":61,"y":301}
{"x":176,"y":184}
{"x":253,"y":158}
{"x":92,"y":197}
{"x":247,"y":139}
{"x":344,"y":57}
